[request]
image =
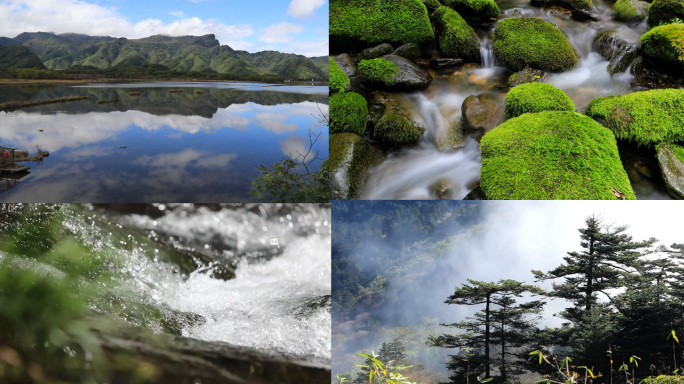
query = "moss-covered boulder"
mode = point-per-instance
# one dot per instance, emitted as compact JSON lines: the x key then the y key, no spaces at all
{"x":409,"y":51}
{"x":482,"y":9}
{"x":527,"y":75}
{"x":552,"y":155}
{"x":410,"y":77}
{"x":350,"y":158}
{"x":569,"y":4}
{"x":528,"y":41}
{"x":630,"y":10}
{"x":397,"y":130}
{"x":671,"y":160}
{"x":665,"y":45}
{"x":379,"y":71}
{"x":536,"y":97}
{"x":375,"y":52}
{"x":645,"y":118}
{"x":357,"y":24}
{"x":664,"y":12}
{"x":348,"y":113}
{"x":346,"y":64}
{"x":338,"y":82}
{"x":431,"y":3}
{"x":455,"y":36}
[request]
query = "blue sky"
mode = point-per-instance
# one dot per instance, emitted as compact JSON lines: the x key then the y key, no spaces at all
{"x":292,"y":26}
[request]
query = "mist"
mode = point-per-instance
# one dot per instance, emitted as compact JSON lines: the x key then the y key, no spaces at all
{"x":498,"y":240}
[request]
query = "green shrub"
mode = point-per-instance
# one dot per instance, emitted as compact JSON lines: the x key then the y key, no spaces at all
{"x":552,"y":155}
{"x":379,"y":70}
{"x":665,"y":44}
{"x":348,"y":113}
{"x":358,"y":24}
{"x":479,"y":8}
{"x":536,"y":97}
{"x":338,"y":79}
{"x":455,"y":36}
{"x":527,"y":41}
{"x":397,"y":130}
{"x":664,"y":12}
{"x":646,"y":118}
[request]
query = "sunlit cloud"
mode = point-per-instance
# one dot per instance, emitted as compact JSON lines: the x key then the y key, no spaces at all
{"x":280,"y":33}
{"x":304,"y":9}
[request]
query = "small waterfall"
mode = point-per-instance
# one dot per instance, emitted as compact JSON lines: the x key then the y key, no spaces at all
{"x":487,"y":52}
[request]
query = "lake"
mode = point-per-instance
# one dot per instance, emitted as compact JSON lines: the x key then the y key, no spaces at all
{"x":173,"y":142}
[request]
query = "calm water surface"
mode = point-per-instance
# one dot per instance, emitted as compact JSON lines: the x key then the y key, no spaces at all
{"x":201,"y":144}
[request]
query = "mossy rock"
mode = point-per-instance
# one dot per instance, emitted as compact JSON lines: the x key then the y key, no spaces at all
{"x":350,"y":158}
{"x":630,"y":10}
{"x":358,"y":24}
{"x":536,"y":97}
{"x":346,"y":64}
{"x":379,"y":71}
{"x":455,"y":36}
{"x":527,"y":75}
{"x":671,"y":160}
{"x":569,"y":4}
{"x":665,"y":44}
{"x":618,"y":48}
{"x":397,"y":130}
{"x":409,"y":51}
{"x":348,"y":113}
{"x":431,"y":3}
{"x":552,"y":155}
{"x":528,"y":41}
{"x":375,"y":52}
{"x":339,"y":82}
{"x":482,"y":9}
{"x":645,"y":118}
{"x":664,"y":12}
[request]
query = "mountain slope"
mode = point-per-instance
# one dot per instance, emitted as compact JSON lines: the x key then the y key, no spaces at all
{"x":182,"y":53}
{"x":18,"y":56}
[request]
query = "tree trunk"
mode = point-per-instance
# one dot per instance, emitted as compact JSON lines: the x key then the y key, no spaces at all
{"x":487,"y":336}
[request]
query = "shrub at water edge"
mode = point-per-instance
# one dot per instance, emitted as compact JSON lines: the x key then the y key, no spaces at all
{"x":552,"y":155}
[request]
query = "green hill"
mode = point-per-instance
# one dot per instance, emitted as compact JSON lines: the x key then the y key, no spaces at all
{"x":18,"y":56}
{"x":182,"y":53}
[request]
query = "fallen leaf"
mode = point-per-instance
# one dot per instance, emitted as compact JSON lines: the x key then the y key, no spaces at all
{"x":618,"y":194}
{"x":588,"y":178}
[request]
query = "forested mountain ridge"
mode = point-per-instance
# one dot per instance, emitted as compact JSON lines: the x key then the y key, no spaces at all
{"x":182,"y":53}
{"x":18,"y":56}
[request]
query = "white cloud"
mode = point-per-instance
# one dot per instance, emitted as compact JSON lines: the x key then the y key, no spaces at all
{"x":280,"y":33}
{"x":180,"y":14}
{"x":303,"y":9}
{"x":62,"y":16}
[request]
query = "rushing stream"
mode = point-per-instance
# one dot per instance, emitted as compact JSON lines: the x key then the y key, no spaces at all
{"x":209,"y":273}
{"x":413,"y":173}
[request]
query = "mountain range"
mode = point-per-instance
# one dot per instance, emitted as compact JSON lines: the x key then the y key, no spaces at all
{"x":181,"y":53}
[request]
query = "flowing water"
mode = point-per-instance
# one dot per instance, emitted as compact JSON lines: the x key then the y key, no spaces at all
{"x":212,"y":271}
{"x":413,"y":173}
{"x":201,"y":142}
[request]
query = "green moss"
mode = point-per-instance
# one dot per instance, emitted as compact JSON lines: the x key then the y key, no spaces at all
{"x":528,"y":41}
{"x":664,"y":11}
{"x":552,"y":155}
{"x":665,"y":44}
{"x":480,"y":8}
{"x":358,"y":24}
{"x":350,"y":158}
{"x":397,"y":130}
{"x":624,"y":10}
{"x":646,"y":118}
{"x":348,"y":113}
{"x":379,"y":70}
{"x":456,"y":37}
{"x":536,"y":97}
{"x":569,"y":4}
{"x":431,"y":3}
{"x":338,"y":80}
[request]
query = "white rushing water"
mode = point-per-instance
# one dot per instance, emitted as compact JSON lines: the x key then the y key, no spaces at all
{"x":266,"y":306}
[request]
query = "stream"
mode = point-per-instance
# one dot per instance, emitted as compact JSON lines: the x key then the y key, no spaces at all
{"x":229,"y":277}
{"x":413,"y":172}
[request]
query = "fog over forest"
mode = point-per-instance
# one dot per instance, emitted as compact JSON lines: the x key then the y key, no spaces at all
{"x":485,"y":241}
